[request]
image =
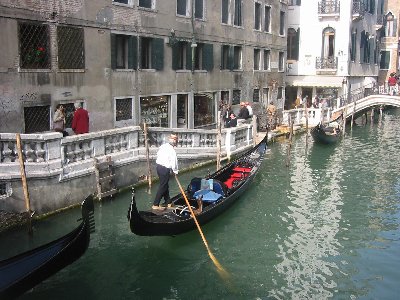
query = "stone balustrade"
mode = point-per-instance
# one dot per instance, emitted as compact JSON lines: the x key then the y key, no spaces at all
{"x":65,"y":166}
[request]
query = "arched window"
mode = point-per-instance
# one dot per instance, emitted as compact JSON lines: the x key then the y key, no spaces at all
{"x":328,"y":42}
{"x":293,"y":44}
{"x":390,"y":25}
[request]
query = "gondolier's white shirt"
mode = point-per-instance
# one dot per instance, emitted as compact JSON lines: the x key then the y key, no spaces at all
{"x":166,"y":156}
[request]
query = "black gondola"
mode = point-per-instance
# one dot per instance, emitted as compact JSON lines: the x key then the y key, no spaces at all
{"x":224,"y":186}
{"x":22,"y":272}
{"x":325,"y":134}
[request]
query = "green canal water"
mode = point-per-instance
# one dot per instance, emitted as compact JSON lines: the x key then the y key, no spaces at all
{"x":326,"y":227}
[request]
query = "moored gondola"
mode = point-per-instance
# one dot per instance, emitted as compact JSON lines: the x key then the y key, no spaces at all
{"x":326,"y":134}
{"x":208,"y":197}
{"x":22,"y":272}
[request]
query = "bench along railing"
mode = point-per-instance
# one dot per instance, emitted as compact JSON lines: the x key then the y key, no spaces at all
{"x":48,"y":154}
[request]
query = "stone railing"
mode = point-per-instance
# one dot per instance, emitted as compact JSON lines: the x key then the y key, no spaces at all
{"x":298,"y":116}
{"x":50,"y":154}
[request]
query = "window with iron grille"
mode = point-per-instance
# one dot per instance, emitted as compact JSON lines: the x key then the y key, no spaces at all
{"x":236,"y":94}
{"x":256,"y":95}
{"x":37,"y":119}
{"x":34,"y":46}
{"x":123,"y":109}
{"x":71,"y":48}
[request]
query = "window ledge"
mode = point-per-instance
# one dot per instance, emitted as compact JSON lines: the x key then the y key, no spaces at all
{"x":71,"y":70}
{"x":122,"y":4}
{"x":183,"y":16}
{"x":200,"y":71}
{"x":124,"y":70}
{"x":153,"y":10}
{"x":34,"y":70}
{"x":148,"y":70}
{"x":182,"y":71}
{"x":238,"y":70}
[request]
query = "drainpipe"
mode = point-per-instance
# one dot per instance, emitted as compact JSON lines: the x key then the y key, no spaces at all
{"x":193,"y":46}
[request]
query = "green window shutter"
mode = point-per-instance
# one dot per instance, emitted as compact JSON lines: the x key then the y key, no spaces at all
{"x":157,"y":54}
{"x":132,"y":52}
{"x":113,"y":52}
{"x":208,"y":57}
{"x":188,"y":56}
{"x":175,"y":56}
{"x":230,"y":58}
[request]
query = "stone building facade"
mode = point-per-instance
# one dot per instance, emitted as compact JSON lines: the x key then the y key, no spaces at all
{"x":334,"y":47}
{"x":168,"y":63}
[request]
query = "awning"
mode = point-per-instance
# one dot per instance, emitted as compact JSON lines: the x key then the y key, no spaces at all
{"x":314,"y":81}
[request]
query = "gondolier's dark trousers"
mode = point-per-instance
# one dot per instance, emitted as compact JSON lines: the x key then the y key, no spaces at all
{"x":163,"y":189}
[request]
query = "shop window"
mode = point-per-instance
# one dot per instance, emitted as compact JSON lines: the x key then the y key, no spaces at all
{"x":267,"y":19}
{"x":182,"y":110}
{"x":236,"y":95}
{"x":267,"y":60}
{"x":71,"y":50}
{"x":155,"y":111}
{"x":34,"y":46}
{"x":123,"y":109}
{"x":37,"y":119}
{"x":204,"y":110}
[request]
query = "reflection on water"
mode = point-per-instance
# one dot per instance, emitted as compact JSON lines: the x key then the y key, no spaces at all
{"x":327,"y":226}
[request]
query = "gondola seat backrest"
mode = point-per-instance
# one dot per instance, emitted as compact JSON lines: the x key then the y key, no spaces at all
{"x":199,"y":186}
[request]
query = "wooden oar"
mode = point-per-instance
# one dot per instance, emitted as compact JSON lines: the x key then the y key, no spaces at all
{"x":224,"y":274}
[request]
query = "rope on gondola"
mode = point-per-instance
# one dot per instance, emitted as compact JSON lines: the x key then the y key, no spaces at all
{"x":221,"y":271}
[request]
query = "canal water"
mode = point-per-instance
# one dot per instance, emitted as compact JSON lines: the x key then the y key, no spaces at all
{"x":326,"y":227}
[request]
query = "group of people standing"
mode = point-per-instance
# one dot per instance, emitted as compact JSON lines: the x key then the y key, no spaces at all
{"x":230,"y":119}
{"x":80,"y":120}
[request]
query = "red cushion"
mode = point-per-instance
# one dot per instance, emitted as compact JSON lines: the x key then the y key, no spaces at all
{"x":241,"y":169}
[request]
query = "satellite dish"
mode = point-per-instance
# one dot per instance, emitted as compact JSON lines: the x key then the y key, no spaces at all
{"x":105,"y":15}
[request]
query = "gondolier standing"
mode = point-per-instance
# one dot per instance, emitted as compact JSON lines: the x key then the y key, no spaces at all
{"x":166,"y":161}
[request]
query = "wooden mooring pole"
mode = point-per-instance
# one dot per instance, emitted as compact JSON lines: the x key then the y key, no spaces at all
{"x":146,"y":144}
{"x":219,"y":137}
{"x":290,"y":141}
{"x":24,"y":183}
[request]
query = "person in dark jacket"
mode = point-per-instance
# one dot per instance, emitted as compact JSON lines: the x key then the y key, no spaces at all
{"x":244,"y":112}
{"x":232,"y":121}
